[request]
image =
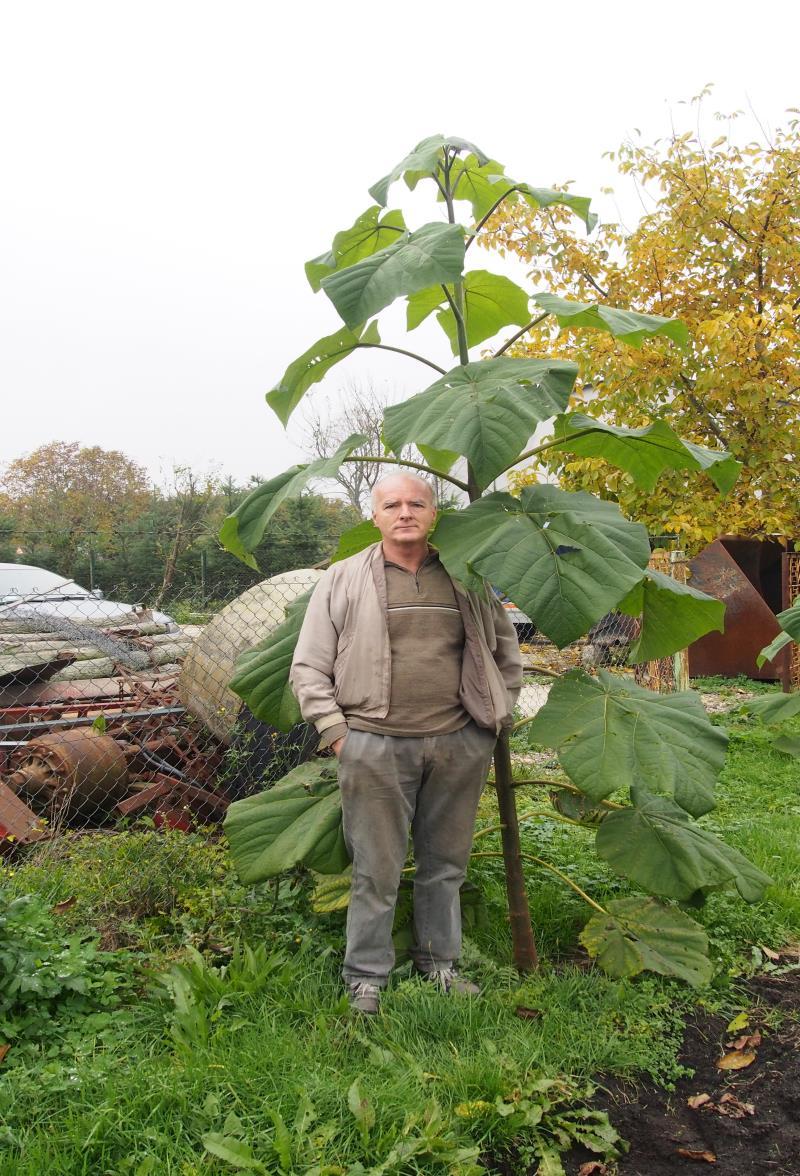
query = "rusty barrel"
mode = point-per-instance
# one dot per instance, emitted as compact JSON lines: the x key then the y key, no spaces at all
{"x":65,"y":773}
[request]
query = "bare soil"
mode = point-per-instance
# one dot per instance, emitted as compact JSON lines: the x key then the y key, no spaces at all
{"x":750,"y":1122}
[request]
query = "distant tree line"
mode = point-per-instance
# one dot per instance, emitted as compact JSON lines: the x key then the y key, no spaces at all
{"x":95,"y":516}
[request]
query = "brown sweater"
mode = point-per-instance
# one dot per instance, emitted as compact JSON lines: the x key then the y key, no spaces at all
{"x":426,"y":637}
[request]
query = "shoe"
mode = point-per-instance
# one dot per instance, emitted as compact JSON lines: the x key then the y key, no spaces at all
{"x":364,"y":997}
{"x":449,"y":980}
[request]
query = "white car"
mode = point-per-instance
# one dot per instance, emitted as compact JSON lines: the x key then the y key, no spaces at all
{"x":28,"y":593}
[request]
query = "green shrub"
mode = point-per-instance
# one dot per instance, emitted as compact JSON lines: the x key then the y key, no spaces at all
{"x":46,"y":976}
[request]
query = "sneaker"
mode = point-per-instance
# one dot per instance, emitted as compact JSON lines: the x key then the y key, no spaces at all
{"x":449,"y":980}
{"x":364,"y":997}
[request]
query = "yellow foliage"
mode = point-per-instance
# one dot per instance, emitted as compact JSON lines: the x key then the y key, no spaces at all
{"x":720,"y":249}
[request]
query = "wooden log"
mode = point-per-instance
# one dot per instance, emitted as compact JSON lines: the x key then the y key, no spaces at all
{"x":104,"y":667}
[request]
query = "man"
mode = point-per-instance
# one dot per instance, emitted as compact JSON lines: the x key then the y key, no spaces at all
{"x":409,"y":678}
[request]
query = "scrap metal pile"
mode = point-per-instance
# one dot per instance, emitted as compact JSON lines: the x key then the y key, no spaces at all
{"x":101,"y":725}
{"x":67,"y":764}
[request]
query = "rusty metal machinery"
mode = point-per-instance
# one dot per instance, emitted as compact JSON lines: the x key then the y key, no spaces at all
{"x":69,"y":773}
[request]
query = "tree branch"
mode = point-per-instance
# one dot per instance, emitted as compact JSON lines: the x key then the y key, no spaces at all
{"x":702,"y":411}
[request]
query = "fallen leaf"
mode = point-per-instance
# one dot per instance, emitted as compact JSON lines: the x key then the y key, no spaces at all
{"x":751,"y":1041}
{"x":527,"y":1014}
{"x":741,"y":1021}
{"x":737,"y":1060}
{"x":771,"y":955}
{"x":705,"y":1157}
{"x":66,"y":905}
{"x":730,"y":1105}
{"x":3,"y":1051}
{"x":593,"y":1168}
{"x":698,"y":1100}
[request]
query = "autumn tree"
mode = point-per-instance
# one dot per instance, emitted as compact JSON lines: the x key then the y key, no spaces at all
{"x":719,"y":246}
{"x":64,"y":496}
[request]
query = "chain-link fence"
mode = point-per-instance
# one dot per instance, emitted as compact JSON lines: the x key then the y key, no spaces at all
{"x":114,"y":715}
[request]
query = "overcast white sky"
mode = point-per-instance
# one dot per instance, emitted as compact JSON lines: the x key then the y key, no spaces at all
{"x":168,"y":167}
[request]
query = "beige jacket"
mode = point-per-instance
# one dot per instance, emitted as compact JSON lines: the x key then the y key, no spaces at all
{"x":342,"y":663}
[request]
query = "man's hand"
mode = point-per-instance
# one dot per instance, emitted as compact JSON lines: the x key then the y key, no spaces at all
{"x":336,"y":746}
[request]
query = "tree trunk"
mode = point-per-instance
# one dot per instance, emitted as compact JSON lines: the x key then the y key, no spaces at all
{"x":526,"y":958}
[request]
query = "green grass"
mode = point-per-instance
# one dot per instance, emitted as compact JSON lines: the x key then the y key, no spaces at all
{"x":270,"y":1066}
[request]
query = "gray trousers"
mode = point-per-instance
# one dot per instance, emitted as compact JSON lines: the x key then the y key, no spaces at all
{"x":390,"y":785}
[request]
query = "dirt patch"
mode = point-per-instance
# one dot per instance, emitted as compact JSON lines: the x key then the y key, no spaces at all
{"x":720,"y":704}
{"x":750,"y":1122}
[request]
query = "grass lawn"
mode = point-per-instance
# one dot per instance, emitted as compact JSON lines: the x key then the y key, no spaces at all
{"x":205,"y":1029}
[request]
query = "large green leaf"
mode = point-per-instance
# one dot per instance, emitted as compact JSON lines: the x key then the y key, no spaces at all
{"x":774,"y":708}
{"x":356,"y":539}
{"x":315,"y":363}
{"x":434,"y":253}
{"x":491,"y":302}
{"x":789,"y":621}
{"x":332,"y":892}
{"x":261,"y":675}
{"x":423,"y":303}
{"x":673,"y":616}
{"x":643,"y":453}
{"x":485,"y":411}
{"x":546,"y":197}
{"x":483,"y":184}
{"x":420,"y":162}
{"x":657,"y":846}
{"x":441,"y":461}
{"x":480,"y":181}
{"x":370,"y":233}
{"x":610,"y":733}
{"x":788,"y":744}
{"x":779,"y":642}
{"x":242,"y":531}
{"x":622,"y":324}
{"x":563,"y":558}
{"x":641,"y":933}
{"x":298,"y":822}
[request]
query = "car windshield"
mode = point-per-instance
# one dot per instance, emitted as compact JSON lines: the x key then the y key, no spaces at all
{"x":19,"y":581}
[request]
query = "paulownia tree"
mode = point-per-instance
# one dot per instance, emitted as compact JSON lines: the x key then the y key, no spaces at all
{"x":565,"y":558}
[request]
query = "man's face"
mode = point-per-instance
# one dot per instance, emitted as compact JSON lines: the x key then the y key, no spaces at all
{"x":404,"y":511}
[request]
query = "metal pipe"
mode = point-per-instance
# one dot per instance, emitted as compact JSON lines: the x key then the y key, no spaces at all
{"x":88,"y":720}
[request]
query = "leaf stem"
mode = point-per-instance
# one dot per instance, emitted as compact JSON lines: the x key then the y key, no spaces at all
{"x":402,"y":351}
{"x":543,"y":814}
{"x":493,"y":209}
{"x":510,"y":342}
{"x":529,"y":857}
{"x":414,"y":465}
{"x":537,"y":449}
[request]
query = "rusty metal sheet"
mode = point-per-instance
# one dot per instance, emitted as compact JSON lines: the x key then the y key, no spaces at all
{"x":750,"y":623}
{"x":17,"y":821}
